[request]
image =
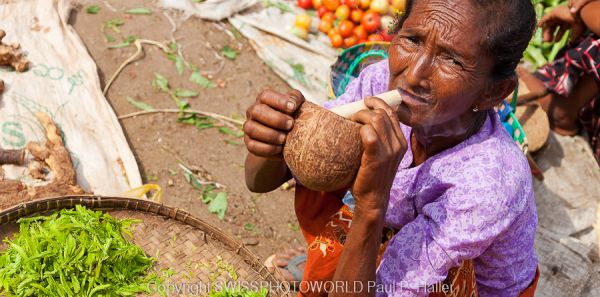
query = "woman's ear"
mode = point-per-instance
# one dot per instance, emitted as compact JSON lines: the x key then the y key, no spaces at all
{"x":496,"y":91}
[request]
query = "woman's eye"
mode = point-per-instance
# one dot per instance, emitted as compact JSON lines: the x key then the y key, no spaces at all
{"x":412,"y":39}
{"x":454,"y":61}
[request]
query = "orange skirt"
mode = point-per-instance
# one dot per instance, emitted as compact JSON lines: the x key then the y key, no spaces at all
{"x":325,"y":221}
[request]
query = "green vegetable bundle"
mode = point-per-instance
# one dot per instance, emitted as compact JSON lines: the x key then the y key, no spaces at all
{"x":240,"y":293}
{"x":74,"y":253}
{"x":539,"y":52}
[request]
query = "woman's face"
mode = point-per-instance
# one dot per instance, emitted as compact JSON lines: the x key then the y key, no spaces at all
{"x":437,"y":59}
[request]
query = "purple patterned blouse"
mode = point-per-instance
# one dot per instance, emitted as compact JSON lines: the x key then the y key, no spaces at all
{"x":472,"y":201}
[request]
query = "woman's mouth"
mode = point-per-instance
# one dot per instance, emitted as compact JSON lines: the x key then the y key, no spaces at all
{"x":411,"y":99}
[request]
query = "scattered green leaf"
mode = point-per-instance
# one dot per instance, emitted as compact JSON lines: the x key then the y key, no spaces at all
{"x":185,"y":93}
{"x":229,"y":52}
{"x":219,"y":205}
{"x":139,"y":104}
{"x":126,"y":42}
{"x":249,"y":227}
{"x":231,"y":142}
{"x":139,"y":11}
{"x":228,"y":131}
{"x":94,"y":9}
{"x":294,"y":227}
{"x":200,"y":80}
{"x":160,"y":82}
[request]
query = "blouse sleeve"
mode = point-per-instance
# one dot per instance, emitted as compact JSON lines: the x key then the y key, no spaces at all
{"x":454,"y":228}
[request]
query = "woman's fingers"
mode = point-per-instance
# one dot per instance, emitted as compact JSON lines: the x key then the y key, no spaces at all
{"x":262,"y":149}
{"x":374,"y":102}
{"x":270,"y":117}
{"x":262,"y":133}
{"x":378,"y":124}
{"x":285,"y":103}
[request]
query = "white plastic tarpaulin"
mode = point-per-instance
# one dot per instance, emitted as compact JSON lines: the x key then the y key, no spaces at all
{"x":63,"y":82}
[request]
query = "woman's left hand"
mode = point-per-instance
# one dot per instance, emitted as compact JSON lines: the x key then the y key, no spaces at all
{"x":384,"y":146}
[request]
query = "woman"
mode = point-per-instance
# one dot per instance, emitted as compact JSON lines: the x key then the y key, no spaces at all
{"x":569,"y":88}
{"x":439,"y":174}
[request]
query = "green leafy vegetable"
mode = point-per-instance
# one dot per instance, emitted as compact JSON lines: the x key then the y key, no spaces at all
{"x":283,"y":7}
{"x":229,"y":53}
{"x":240,"y":293}
{"x":94,"y":9}
{"x":540,"y":52}
{"x":139,"y":11}
{"x":74,"y":252}
{"x":139,"y":104}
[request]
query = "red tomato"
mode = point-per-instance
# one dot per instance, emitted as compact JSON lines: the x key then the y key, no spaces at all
{"x":350,"y":3}
{"x":322,"y":10}
{"x":325,"y":26}
{"x":356,"y":15}
{"x":346,"y":28}
{"x":331,"y":4}
{"x":342,"y":12}
{"x":371,"y":21}
{"x":375,"y":37}
{"x":386,"y":36}
{"x":306,"y":4}
{"x":328,"y":16}
{"x":332,"y":32}
{"x":336,"y":40}
{"x":350,"y":41}
{"x":360,"y":32}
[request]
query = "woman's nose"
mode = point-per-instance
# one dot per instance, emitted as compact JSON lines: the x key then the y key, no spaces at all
{"x":418,"y":72}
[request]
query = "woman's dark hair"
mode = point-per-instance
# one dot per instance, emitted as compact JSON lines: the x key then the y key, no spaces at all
{"x":509,"y":33}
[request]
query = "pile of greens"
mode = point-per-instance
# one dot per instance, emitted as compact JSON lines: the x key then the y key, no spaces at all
{"x":74,"y":253}
{"x":240,"y":293}
{"x":539,"y":52}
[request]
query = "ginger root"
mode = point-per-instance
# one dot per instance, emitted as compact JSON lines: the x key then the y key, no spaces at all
{"x":11,"y":55}
{"x":53,"y":154}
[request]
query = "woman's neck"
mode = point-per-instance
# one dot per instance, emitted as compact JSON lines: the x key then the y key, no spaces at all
{"x":429,"y":141}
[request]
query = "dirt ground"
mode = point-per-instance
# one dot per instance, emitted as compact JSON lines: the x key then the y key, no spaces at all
{"x":265,"y":222}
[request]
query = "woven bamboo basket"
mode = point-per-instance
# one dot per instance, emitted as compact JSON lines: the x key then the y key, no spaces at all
{"x":178,"y":240}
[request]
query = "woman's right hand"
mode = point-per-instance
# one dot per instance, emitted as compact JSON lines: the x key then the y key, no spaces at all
{"x":561,"y":18}
{"x":269,"y":120}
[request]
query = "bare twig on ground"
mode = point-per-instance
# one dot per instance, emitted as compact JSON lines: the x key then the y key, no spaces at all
{"x":221,"y":118}
{"x":201,"y":174}
{"x":138,"y":44}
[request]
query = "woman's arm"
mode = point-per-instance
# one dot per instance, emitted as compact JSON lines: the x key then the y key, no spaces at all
{"x":264,"y":174}
{"x":384,"y":146}
{"x":590,"y":15}
{"x":269,"y":120}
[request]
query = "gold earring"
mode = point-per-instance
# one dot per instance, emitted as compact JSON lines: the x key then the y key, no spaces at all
{"x":475,"y":109}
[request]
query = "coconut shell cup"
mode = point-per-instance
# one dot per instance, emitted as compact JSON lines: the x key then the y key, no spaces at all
{"x":323,"y":150}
